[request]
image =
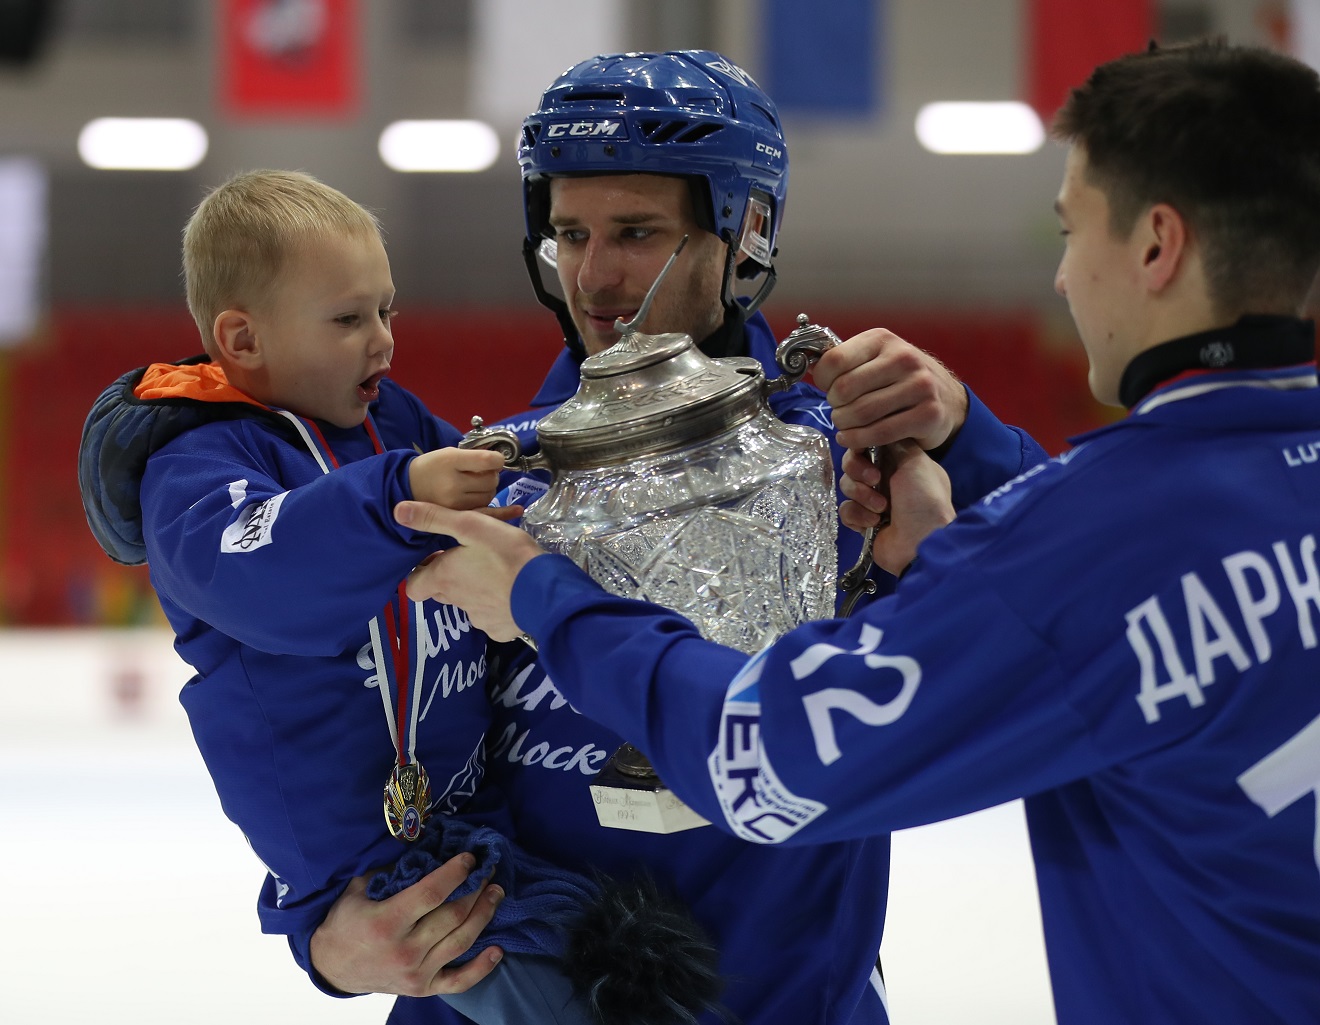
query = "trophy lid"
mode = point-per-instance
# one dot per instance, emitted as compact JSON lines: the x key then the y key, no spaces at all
{"x":649,"y":394}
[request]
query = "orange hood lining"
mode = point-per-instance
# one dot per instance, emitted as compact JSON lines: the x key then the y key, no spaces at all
{"x":204,"y":382}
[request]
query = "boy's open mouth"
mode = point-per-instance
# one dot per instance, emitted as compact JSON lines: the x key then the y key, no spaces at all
{"x":369,"y":390}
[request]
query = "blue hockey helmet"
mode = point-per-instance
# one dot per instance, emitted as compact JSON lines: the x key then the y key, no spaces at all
{"x":685,"y":113}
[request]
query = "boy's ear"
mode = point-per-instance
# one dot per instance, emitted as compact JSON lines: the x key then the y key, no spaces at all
{"x":235,"y":334}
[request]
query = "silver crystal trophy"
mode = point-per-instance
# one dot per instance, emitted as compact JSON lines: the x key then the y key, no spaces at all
{"x":673,"y":482}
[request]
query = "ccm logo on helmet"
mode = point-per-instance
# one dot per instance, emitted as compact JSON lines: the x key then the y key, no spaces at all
{"x":611,"y":128}
{"x":770,"y":151}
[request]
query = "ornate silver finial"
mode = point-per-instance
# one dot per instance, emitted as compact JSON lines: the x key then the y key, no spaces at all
{"x":499,"y":439}
{"x":805,"y":344}
{"x":626,"y":328}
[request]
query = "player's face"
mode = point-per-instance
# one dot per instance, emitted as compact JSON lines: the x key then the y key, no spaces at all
{"x":1098,"y":275}
{"x":614,"y":234}
{"x":325,"y":330}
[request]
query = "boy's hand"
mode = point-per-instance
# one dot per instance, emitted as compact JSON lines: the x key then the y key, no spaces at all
{"x":456,"y":478}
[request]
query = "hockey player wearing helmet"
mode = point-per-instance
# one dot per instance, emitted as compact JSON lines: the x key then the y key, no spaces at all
{"x":624,"y":155}
{"x":651,"y":144}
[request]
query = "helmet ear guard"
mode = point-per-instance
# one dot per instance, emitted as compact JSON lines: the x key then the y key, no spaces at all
{"x":533,"y":255}
{"x":749,"y":255}
{"x":688,"y":113}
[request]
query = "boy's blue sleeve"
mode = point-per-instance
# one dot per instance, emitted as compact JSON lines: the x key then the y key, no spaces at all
{"x":287,"y":570}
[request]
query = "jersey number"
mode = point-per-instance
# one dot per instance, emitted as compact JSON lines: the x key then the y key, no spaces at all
{"x":1286,"y":775}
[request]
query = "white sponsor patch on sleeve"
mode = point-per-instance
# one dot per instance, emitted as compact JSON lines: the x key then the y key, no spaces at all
{"x":252,"y":529}
{"x":756,"y":803}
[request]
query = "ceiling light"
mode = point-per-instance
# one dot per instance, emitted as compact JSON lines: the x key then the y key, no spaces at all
{"x":439,"y":146}
{"x":1001,"y":127}
{"x":142,"y":144}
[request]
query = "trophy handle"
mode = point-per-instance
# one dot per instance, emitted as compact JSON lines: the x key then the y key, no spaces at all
{"x":805,"y":344}
{"x":505,"y":442}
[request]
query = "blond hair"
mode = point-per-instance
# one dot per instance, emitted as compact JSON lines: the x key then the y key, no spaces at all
{"x":240,"y":235}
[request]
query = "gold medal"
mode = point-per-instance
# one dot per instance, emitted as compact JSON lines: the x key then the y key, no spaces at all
{"x":407,"y":801}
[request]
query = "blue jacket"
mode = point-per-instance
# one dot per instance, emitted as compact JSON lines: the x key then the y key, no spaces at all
{"x":1126,"y":636}
{"x":798,"y":928}
{"x":269,"y":570}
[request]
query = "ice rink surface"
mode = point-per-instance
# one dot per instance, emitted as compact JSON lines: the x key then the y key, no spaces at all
{"x":131,"y":899}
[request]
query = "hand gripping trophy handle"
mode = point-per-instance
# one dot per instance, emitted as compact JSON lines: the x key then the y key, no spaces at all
{"x":805,"y":344}
{"x":505,"y":442}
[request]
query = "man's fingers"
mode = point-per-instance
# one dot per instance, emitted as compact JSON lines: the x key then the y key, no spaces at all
{"x":442,"y":929}
{"x":435,"y":519}
{"x":450,"y":929}
{"x":463,"y":978}
{"x":407,"y":911}
{"x":451,"y":937}
{"x":467,"y":527}
{"x":864,"y":495}
{"x":858,"y":466}
{"x":424,"y":582}
{"x":435,"y":887}
{"x":847,"y":356}
{"x":856,"y":517}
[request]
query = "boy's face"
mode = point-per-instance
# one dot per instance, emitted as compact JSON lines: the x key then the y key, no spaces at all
{"x":325,"y":329}
{"x":614,"y":234}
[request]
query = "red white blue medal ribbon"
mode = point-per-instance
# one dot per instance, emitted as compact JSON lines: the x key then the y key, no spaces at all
{"x":407,"y":795}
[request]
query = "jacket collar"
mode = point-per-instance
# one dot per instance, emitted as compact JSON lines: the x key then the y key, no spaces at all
{"x":1256,"y":343}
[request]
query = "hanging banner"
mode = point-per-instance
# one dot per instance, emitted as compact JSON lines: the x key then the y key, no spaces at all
{"x":519,"y":47}
{"x":289,"y":58}
{"x":822,"y":59}
{"x":1066,"y":39}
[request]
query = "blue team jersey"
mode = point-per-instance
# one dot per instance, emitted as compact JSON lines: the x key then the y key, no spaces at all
{"x":798,"y":929}
{"x":1125,"y":636}
{"x":270,"y":571}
